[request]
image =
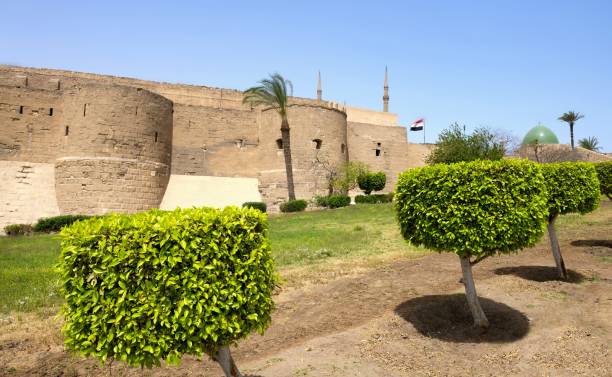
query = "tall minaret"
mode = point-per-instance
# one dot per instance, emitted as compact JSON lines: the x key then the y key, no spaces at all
{"x":319,"y":90}
{"x":386,"y":94}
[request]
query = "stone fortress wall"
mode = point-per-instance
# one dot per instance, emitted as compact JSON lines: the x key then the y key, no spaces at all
{"x":114,"y":143}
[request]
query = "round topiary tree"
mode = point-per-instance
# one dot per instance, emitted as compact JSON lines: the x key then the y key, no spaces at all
{"x":475,"y":210}
{"x":369,"y":182}
{"x":158,"y":285}
{"x":572,"y":188}
{"x":604,"y":175}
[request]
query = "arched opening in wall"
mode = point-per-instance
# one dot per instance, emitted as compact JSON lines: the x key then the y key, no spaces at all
{"x":51,"y":112}
{"x":20,"y":109}
{"x":317,"y":143}
{"x":342,"y":148}
{"x":377,"y":150}
{"x":239,"y":143}
{"x":66,"y":131}
{"x":279,"y":143}
{"x":156,"y":137}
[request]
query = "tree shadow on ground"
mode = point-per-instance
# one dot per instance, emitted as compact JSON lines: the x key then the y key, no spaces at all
{"x":540,"y":273}
{"x":448,"y":318}
{"x":592,"y":243}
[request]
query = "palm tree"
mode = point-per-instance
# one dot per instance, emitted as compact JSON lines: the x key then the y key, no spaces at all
{"x":274,"y":92}
{"x":590,"y":143}
{"x":571,"y":117}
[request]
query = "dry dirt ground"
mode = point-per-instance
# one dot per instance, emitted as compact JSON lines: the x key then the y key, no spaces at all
{"x":404,"y":317}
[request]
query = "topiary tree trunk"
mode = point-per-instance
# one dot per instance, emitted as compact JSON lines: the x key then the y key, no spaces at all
{"x":226,"y":361}
{"x":556,"y":250}
{"x":480,"y":319}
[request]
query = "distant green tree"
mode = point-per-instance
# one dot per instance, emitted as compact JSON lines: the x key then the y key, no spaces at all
{"x":570,"y":118}
{"x":275,"y":92}
{"x":591,"y":143}
{"x":348,"y":175}
{"x":455,"y":145}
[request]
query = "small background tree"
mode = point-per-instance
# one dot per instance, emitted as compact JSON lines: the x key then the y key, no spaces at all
{"x":591,"y":143}
{"x":157,"y":285}
{"x":474,"y":210}
{"x":572,"y":188}
{"x":372,"y":182}
{"x":347,"y":176}
{"x":455,"y":145}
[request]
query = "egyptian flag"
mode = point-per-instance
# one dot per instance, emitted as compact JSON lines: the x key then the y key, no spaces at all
{"x":417,"y":125}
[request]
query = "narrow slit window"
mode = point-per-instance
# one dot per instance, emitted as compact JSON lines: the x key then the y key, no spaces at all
{"x":51,"y":112}
{"x":84,"y":109}
{"x":20,"y":109}
{"x":377,"y":152}
{"x":318,"y":143}
{"x":342,"y":148}
{"x":66,"y":131}
{"x":137,"y":114}
{"x":279,"y":143}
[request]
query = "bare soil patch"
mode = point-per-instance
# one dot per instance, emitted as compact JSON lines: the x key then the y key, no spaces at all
{"x":401,"y":318}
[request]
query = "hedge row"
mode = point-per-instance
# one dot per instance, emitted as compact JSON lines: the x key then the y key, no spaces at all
{"x":18,"y":230}
{"x":56,"y":223}
{"x":44,"y":225}
{"x":294,"y":206}
{"x":257,"y":205}
{"x":374,"y":198}
{"x":157,"y":285}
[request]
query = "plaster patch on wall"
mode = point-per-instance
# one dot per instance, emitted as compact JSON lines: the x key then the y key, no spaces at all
{"x":27,"y":192}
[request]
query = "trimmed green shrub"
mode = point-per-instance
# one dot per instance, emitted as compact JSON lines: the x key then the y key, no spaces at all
{"x":18,"y":230}
{"x":321,"y":201}
{"x":257,"y":205}
{"x":294,"y":206}
{"x":157,"y":285}
{"x":473,"y":209}
{"x":572,"y":188}
{"x":372,"y":182}
{"x":337,"y":201}
{"x":56,"y":223}
{"x":604,"y":174}
{"x":374,"y":198}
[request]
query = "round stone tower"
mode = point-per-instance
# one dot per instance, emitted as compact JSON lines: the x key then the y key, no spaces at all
{"x":318,"y":145}
{"x":117,"y":144}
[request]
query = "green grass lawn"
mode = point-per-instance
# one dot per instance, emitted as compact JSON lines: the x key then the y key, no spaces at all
{"x":27,"y":279}
{"x":28,"y":282}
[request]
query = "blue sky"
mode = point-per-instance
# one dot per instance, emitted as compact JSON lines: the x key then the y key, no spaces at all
{"x":502,"y":64}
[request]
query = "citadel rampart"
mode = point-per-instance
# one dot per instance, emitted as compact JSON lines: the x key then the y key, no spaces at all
{"x":114,"y":142}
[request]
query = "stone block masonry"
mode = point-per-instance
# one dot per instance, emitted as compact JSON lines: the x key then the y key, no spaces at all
{"x":110,"y":144}
{"x":27,"y":192}
{"x":97,"y":186}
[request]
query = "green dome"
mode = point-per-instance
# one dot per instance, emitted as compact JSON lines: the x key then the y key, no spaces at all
{"x":541,"y":134}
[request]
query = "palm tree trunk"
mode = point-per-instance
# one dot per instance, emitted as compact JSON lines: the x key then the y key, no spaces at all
{"x":287,"y":152}
{"x":480,"y":319}
{"x":572,"y":133}
{"x":556,"y":250}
